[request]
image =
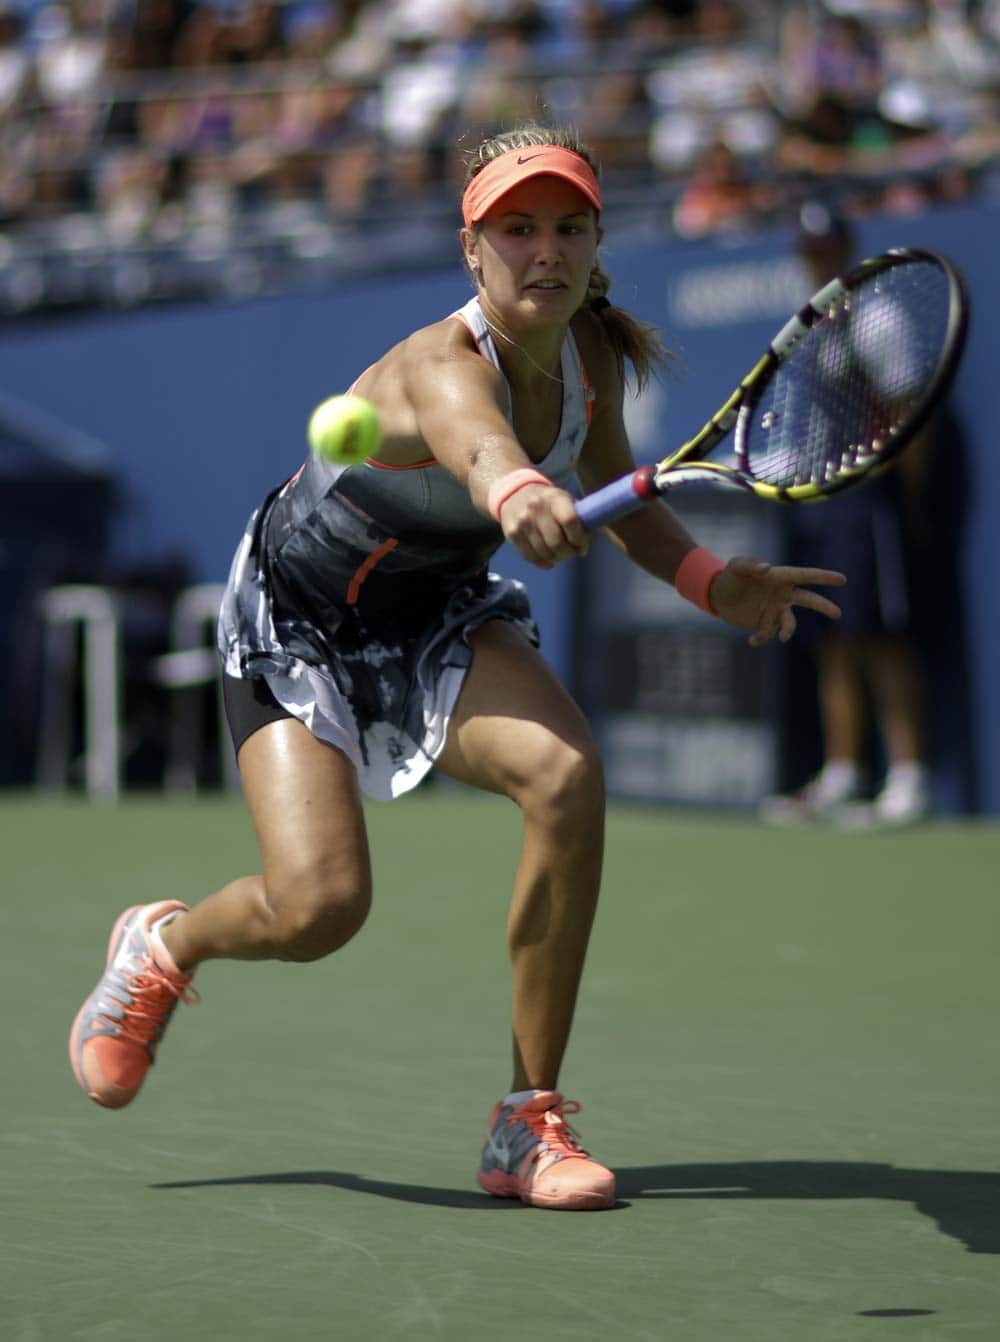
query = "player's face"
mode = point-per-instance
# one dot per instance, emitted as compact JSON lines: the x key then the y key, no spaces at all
{"x":536,"y":250}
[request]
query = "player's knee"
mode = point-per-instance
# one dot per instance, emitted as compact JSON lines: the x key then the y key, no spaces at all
{"x":566,"y":785}
{"x":317,"y":910}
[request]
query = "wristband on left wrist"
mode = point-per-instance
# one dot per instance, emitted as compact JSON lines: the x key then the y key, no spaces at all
{"x":694,"y":575}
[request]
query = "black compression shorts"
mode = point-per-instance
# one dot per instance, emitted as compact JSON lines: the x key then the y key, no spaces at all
{"x":249,"y":706}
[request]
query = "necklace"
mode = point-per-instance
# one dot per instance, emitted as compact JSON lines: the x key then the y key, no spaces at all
{"x":521,"y":350}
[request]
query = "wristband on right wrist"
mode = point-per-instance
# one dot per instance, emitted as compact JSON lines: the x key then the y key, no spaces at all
{"x":501,"y":490}
{"x":694,"y":577}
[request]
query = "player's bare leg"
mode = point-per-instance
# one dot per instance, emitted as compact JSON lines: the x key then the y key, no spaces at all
{"x":313,"y":895}
{"x":517,"y":732}
{"x":315,"y":888}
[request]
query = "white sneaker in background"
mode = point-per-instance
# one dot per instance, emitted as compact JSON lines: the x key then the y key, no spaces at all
{"x":906,"y":795}
{"x":837,"y":784}
{"x":905,"y":799}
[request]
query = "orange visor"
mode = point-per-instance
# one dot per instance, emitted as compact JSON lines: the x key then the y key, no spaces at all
{"x":508,"y":170}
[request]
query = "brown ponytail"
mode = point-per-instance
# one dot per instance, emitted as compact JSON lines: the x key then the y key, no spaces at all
{"x":637,"y":341}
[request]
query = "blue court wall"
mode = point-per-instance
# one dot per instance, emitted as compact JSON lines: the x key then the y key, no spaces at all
{"x":204,"y":409}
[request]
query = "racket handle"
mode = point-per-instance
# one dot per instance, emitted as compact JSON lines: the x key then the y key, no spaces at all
{"x":612,"y":501}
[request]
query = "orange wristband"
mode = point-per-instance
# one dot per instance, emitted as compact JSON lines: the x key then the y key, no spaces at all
{"x":694,"y":577}
{"x":502,"y":489}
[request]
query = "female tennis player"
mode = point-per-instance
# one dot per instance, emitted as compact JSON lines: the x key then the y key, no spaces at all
{"x":365,"y":641}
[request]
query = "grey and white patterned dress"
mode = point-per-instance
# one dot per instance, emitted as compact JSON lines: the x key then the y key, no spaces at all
{"x":354,"y":591}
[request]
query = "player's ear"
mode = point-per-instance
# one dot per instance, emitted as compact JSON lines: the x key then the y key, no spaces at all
{"x":468,"y":238}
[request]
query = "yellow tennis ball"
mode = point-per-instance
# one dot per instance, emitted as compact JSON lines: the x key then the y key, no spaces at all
{"x":345,"y":430}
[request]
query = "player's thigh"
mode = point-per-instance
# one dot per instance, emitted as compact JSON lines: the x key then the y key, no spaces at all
{"x":515,"y":729}
{"x":306,"y":807}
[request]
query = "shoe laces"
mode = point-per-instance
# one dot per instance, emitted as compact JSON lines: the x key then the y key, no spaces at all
{"x":152,"y":997}
{"x":556,"y":1137}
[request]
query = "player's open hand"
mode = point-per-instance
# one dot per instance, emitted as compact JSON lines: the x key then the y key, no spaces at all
{"x":751,"y":594}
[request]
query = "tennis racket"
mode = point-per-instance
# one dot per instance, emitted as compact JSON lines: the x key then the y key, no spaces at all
{"x":841,"y":390}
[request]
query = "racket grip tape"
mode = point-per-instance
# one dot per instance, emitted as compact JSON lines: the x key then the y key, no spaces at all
{"x":621,"y":497}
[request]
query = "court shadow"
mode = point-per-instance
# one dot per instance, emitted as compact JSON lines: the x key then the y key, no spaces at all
{"x":458,"y":1198}
{"x":964,"y":1204}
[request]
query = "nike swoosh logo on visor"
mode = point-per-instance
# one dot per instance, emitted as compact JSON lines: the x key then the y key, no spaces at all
{"x":528,"y":159}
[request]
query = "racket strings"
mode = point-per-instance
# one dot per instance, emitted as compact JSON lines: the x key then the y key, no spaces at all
{"x":853,"y":383}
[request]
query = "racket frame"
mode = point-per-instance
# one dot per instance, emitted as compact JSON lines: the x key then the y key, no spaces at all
{"x":684,"y":465}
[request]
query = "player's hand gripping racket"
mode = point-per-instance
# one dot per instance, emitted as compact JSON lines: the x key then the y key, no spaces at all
{"x":843,"y":387}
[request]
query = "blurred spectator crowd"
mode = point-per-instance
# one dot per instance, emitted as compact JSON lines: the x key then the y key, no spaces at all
{"x":152,"y":148}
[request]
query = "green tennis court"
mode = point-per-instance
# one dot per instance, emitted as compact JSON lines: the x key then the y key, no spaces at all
{"x":786,"y":1047}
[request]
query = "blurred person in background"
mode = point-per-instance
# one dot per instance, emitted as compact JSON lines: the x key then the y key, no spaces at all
{"x":719,"y":196}
{"x":866,"y":665}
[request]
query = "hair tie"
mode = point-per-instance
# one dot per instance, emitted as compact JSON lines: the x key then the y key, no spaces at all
{"x":599,"y":304}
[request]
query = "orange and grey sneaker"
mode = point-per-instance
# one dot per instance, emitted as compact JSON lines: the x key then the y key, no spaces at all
{"x":116,"y":1032}
{"x":532,"y":1153}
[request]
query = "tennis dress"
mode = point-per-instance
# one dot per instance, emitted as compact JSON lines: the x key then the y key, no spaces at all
{"x":354,"y":591}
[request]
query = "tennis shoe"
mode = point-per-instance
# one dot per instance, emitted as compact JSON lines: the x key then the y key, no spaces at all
{"x":117,"y":1030}
{"x":532,"y":1153}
